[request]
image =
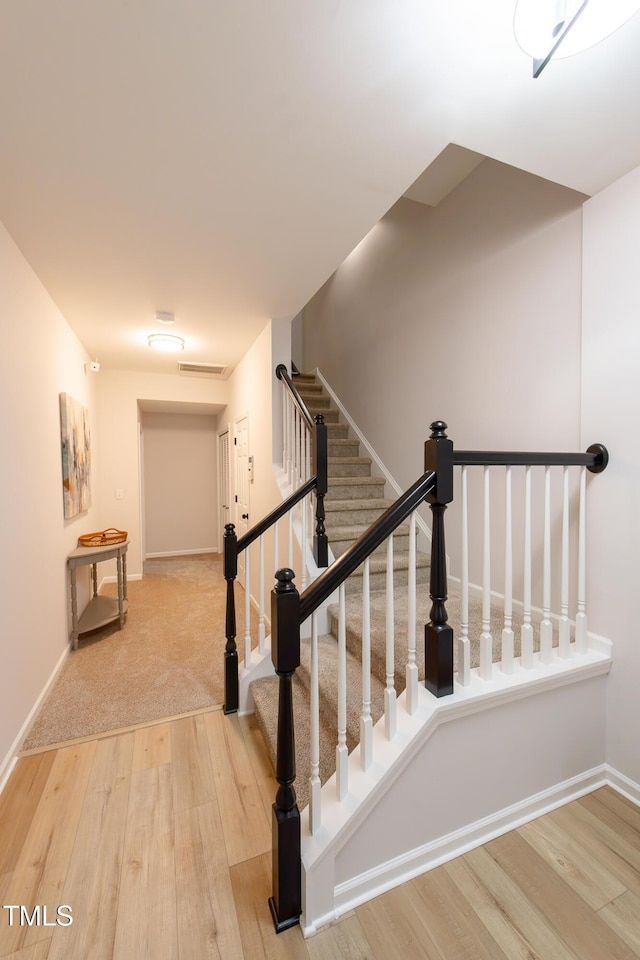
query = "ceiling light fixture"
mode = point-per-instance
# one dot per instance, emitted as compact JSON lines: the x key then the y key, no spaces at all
{"x":165,"y":342}
{"x":561,"y":28}
{"x":163,"y":316}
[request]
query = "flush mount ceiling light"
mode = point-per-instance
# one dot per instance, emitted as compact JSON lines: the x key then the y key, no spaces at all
{"x":163,"y":316}
{"x":165,"y":342}
{"x":561,"y":28}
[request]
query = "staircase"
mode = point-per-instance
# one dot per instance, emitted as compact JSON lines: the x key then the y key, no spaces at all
{"x":355,"y":499}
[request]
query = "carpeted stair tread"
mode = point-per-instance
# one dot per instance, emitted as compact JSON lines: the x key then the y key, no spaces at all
{"x":353,"y":609}
{"x":328,"y":687}
{"x":354,"y":488}
{"x":265,"y":697}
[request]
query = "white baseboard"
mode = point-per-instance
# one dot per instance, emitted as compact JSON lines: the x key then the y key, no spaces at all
{"x":385,"y":877}
{"x":628,"y":788}
{"x":130,"y":577}
{"x":9,"y":761}
{"x":388,"y":875}
{"x":180,"y":553}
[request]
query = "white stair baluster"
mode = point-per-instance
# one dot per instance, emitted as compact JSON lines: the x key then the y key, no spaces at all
{"x":546,"y":627}
{"x":486,"y":640}
{"x":276,"y":548}
{"x":247,"y":606}
{"x":315,"y":787}
{"x":303,"y":544}
{"x":288,"y":434}
{"x":366,"y":720}
{"x":390,"y":716}
{"x":507,"y":632}
{"x":284,"y":426}
{"x":261,"y":627}
{"x":564,"y":629}
{"x":290,"y":515}
{"x":464,"y":645}
{"x":411,"y":695}
{"x":581,"y":615}
{"x":296,"y":447}
{"x":526,"y":631}
{"x":342,"y":756}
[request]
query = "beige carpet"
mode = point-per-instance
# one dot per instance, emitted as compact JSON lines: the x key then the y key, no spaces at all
{"x":167,"y":660}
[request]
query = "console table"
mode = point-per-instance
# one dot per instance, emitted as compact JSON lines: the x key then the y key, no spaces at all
{"x":100,"y":610}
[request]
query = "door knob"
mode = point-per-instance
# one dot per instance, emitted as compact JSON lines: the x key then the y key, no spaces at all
{"x":245,"y":516}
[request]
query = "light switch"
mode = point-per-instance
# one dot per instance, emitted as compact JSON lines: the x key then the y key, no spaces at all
{"x":119,"y":494}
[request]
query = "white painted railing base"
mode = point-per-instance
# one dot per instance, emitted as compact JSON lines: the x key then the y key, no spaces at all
{"x":259,"y":666}
{"x":336,"y":874}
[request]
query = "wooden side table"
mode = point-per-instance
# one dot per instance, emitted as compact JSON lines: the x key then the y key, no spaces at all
{"x":100,"y":610}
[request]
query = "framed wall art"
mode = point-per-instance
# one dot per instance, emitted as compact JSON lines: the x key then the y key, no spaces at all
{"x":76,"y":456}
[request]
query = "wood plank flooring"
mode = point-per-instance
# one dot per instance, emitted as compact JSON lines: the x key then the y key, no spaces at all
{"x":159,"y":840}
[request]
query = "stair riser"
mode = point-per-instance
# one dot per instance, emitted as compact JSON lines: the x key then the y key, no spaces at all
{"x":349,"y":469}
{"x":344,"y":517}
{"x":348,"y":448}
{"x":315,"y":400}
{"x":378,"y":580}
{"x":355,"y":491}
{"x":400,"y":543}
{"x":337,"y":431}
{"x":330,"y":416}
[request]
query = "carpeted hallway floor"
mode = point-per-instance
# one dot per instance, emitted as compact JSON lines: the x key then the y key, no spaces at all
{"x":167,"y":660}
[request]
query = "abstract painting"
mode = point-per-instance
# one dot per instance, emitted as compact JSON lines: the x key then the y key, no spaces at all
{"x":76,"y":456}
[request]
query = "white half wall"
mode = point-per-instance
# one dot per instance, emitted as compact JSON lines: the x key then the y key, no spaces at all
{"x":180,"y":483}
{"x":611,"y":415}
{"x":42,"y":358}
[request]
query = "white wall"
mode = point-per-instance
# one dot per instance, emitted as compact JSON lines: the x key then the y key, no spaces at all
{"x":254,"y":391}
{"x":118,"y":394}
{"x":42,"y":358}
{"x":611,"y":415}
{"x":467,"y":312}
{"x":180,"y":483}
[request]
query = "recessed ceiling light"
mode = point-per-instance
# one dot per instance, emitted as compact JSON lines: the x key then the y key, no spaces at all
{"x":165,"y":342}
{"x":163,"y":316}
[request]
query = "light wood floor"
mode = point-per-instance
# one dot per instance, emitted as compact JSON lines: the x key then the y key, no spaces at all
{"x":159,"y":838}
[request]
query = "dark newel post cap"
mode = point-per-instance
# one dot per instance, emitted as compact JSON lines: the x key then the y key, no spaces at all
{"x":438,"y":430}
{"x":319,"y":418}
{"x":284,"y":580}
{"x":229,"y":528}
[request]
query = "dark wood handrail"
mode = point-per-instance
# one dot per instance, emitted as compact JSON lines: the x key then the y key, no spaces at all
{"x":275,"y":515}
{"x":282,"y":374}
{"x":376,"y":534}
{"x":595,"y":459}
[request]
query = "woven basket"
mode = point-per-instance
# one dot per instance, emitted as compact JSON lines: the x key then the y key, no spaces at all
{"x":103,"y":538}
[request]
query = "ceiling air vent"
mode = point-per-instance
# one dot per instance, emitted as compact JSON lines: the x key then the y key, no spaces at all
{"x":210,"y":369}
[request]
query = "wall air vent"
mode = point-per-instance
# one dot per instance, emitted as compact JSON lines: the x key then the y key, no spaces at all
{"x":210,"y":369}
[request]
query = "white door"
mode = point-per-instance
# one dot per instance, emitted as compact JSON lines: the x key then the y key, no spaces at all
{"x":242,"y":519}
{"x":225,"y":482}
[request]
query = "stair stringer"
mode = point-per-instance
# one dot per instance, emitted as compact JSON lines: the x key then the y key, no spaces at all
{"x":460,"y":771}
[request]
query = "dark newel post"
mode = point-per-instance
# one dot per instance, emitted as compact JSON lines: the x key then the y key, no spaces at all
{"x":231,"y":651}
{"x":286,"y":902}
{"x":320,"y":539}
{"x":438,"y":634}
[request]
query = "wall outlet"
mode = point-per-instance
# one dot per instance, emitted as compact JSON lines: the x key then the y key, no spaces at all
{"x":119,"y":494}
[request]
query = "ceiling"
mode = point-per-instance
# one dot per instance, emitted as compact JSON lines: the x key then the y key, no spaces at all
{"x":219,"y":160}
